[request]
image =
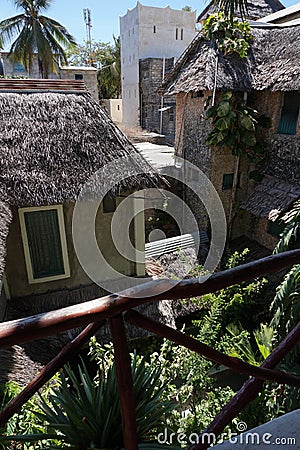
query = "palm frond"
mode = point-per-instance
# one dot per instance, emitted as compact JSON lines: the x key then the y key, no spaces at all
{"x":10,"y":27}
{"x":290,"y":238}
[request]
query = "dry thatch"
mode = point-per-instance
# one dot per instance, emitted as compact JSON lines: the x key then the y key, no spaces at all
{"x":52,"y":142}
{"x":256,"y":9}
{"x":5,"y":219}
{"x":271,"y":198}
{"x":272,"y":64}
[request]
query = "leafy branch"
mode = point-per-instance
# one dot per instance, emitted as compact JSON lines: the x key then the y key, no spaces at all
{"x":235,"y":126}
{"x":230,"y":34}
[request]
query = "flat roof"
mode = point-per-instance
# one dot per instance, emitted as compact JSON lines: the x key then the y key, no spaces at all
{"x":281,"y":13}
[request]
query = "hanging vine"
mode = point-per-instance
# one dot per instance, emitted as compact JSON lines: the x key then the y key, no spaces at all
{"x":235,"y":126}
{"x":230,"y":34}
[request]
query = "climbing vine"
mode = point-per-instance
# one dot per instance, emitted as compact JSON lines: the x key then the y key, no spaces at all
{"x":235,"y":126}
{"x":230,"y":34}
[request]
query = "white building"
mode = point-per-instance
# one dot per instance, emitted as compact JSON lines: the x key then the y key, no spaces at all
{"x":149,"y":32}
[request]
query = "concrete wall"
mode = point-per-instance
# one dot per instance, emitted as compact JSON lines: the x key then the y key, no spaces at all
{"x":89,"y":76}
{"x":15,"y":262}
{"x":114,"y":108}
{"x":18,"y":70}
{"x":149,"y":32}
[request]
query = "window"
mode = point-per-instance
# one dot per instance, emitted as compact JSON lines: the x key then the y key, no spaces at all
{"x":275,"y":228}
{"x":171,"y":115}
{"x":289,"y":113}
{"x":181,"y":34}
{"x":78,"y":76}
{"x":197,"y":94}
{"x":44,"y":243}
{"x":176,"y":34}
{"x":228,"y":181}
{"x":109,"y":204}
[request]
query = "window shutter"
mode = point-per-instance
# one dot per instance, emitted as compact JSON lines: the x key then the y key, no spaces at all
{"x":44,"y":243}
{"x":289,"y":114}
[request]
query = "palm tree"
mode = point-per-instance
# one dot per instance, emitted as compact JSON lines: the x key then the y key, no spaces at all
{"x":36,"y":34}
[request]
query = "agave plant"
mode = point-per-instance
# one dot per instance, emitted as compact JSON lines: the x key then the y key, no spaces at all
{"x":85,"y":415}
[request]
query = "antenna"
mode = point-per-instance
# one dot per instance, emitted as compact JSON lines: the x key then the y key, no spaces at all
{"x":88,"y":25}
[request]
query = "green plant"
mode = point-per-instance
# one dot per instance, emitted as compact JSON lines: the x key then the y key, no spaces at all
{"x":231,"y":35}
{"x":35,"y":33}
{"x":235,"y":126}
{"x":85,"y":414}
{"x":26,"y":421}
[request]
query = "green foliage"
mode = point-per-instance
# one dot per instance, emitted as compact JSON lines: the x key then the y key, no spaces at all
{"x":36,"y":33}
{"x":187,"y":8}
{"x":242,"y":345}
{"x":290,"y":238}
{"x":106,"y":58}
{"x":286,"y":311}
{"x":231,"y":35}
{"x":85,"y":414}
{"x":26,"y":421}
{"x":235,"y":126}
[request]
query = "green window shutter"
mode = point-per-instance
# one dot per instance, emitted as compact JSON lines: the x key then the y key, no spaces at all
{"x":289,"y":114}
{"x":227,"y":181}
{"x":45,"y":249}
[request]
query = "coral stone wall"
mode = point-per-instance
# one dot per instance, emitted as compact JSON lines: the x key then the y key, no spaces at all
{"x":151,"y":76}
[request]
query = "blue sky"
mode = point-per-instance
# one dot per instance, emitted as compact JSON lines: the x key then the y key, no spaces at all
{"x":105,"y":14}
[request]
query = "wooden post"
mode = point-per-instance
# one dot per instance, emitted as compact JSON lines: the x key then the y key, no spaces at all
{"x":47,"y":372}
{"x":125,"y":383}
{"x":208,"y":352}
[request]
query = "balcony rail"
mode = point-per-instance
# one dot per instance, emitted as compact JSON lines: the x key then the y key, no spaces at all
{"x":117,"y":308}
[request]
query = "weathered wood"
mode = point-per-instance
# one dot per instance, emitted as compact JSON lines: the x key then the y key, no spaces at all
{"x":236,"y":364}
{"x":248,"y":392}
{"x":125,"y":382}
{"x":31,"y":328}
{"x":48,"y":371}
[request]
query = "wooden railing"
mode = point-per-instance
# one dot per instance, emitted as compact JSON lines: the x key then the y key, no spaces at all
{"x":119,"y":307}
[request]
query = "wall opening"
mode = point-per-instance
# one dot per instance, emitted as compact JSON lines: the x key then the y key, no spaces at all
{"x":289,"y":113}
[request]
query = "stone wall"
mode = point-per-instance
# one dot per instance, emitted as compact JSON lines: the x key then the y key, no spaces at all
{"x":282,"y":151}
{"x":151,"y":75}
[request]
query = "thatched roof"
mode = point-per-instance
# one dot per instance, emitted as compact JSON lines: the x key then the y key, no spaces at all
{"x":271,"y":198}
{"x":5,"y":219}
{"x":52,"y":139}
{"x":256,"y":9}
{"x":272,"y":64}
